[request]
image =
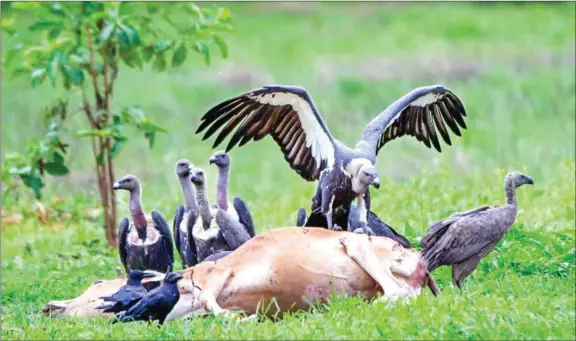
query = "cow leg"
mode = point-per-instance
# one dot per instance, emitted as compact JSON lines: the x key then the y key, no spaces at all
{"x":359,"y":249}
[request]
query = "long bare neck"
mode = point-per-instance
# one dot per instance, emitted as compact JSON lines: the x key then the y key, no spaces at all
{"x":138,"y":216}
{"x":203,"y":206}
{"x":190,"y":203}
{"x":510,"y":190}
{"x":222,"y":187}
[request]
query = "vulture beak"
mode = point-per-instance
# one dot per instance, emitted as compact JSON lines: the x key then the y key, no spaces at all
{"x":116,"y":186}
{"x":529,"y":180}
{"x":212,"y":159}
{"x":178,"y":277}
{"x":376,"y":183}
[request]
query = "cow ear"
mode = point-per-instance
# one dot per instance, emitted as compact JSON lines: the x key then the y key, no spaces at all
{"x":120,"y":273}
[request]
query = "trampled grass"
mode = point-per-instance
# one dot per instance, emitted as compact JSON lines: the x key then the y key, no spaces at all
{"x":512,"y":65}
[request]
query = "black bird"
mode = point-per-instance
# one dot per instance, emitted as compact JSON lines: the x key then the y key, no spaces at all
{"x":377,"y":227}
{"x":156,"y":304}
{"x":288,"y":114}
{"x":128,"y":295}
{"x":145,"y":244}
{"x":186,"y":216}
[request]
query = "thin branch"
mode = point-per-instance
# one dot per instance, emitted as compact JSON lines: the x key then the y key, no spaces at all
{"x":93,"y":67}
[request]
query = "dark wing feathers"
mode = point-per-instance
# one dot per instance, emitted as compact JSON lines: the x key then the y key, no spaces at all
{"x":164,"y":230}
{"x":286,"y":113}
{"x":424,"y":113}
{"x":244,"y":216}
{"x":123,"y":229}
{"x":178,"y":216}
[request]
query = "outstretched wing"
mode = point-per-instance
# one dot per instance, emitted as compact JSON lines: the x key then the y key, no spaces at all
{"x":244,"y":216}
{"x":288,"y":114}
{"x":419,"y":113}
{"x":175,"y":228}
{"x":164,"y":230}
{"x":122,"y":234}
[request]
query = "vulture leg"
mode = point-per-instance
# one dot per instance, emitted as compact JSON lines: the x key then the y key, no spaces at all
{"x":244,"y":216}
{"x":462,"y":270}
{"x":363,"y":216}
{"x":301,"y":220}
{"x":326,"y":202}
{"x":232,"y":231}
{"x":122,"y":234}
{"x":359,"y":249}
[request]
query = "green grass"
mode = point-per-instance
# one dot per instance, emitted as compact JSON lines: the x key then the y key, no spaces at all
{"x":512,"y":65}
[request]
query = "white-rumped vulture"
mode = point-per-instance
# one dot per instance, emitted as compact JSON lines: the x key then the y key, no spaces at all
{"x":464,"y":238}
{"x":146,"y":244}
{"x":288,"y":114}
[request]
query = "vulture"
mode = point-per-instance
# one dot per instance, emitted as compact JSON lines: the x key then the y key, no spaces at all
{"x":464,"y":238}
{"x":216,"y":230}
{"x":185,"y":217}
{"x":288,"y":114}
{"x":128,"y":295}
{"x":222,"y":160}
{"x":156,"y":304}
{"x":146,"y":244}
{"x":375,"y":225}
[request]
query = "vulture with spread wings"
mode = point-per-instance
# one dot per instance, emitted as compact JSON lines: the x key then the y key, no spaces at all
{"x":288,"y":114}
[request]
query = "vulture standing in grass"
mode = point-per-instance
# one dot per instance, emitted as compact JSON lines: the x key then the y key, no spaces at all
{"x":464,"y":238}
{"x":288,"y":114}
{"x":238,"y":209}
{"x":377,"y":226}
{"x":128,"y":295}
{"x":186,"y":216}
{"x":216,"y":230}
{"x":146,"y":244}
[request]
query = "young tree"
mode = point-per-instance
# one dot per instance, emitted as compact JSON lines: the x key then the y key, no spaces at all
{"x":83,"y":47}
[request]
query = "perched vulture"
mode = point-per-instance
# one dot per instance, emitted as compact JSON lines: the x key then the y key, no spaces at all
{"x":156,"y":304}
{"x":375,"y":225}
{"x":146,"y":244}
{"x":288,"y":114}
{"x":222,"y":160}
{"x":128,"y":295}
{"x":186,"y":216}
{"x":216,"y":230}
{"x":464,"y":238}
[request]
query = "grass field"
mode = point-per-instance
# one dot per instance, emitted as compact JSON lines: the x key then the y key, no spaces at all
{"x":511,"y":64}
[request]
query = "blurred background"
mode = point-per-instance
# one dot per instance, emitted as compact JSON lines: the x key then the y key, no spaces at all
{"x":512,"y":64}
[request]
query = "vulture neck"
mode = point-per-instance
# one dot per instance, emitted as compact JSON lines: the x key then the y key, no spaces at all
{"x":203,"y":206}
{"x":222,"y":187}
{"x":510,"y":190}
{"x":138,"y":216}
{"x":190,"y":203}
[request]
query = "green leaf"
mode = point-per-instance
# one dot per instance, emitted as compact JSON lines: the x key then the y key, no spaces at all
{"x":33,"y":181}
{"x":56,"y":9}
{"x":132,"y":34}
{"x":57,"y":158}
{"x":148,"y":53}
{"x":159,"y":64}
{"x":37,"y":77}
{"x":131,"y":58}
{"x":162,"y":45}
{"x":96,"y":132}
{"x":45,"y":25}
{"x":222,"y":46}
{"x":54,"y":33}
{"x":56,"y":169}
{"x":223,"y":13}
{"x":75,"y":75}
{"x":123,"y":39}
{"x":151,"y":139}
{"x":50,"y":70}
{"x":106,"y":32}
{"x":203,"y":50}
{"x":179,"y":55}
{"x":100,"y":158}
{"x":119,"y":143}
